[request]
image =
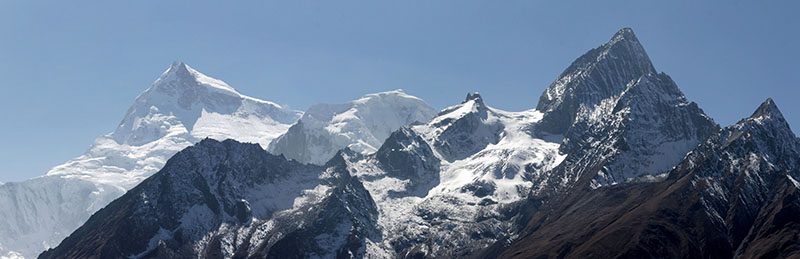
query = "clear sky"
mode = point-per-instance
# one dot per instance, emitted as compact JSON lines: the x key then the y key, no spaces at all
{"x":70,"y":69}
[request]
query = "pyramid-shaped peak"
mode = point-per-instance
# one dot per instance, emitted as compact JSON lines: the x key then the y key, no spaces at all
{"x":601,"y":73}
{"x":624,"y":34}
{"x":768,"y":116}
{"x":181,"y":72}
{"x":177,"y":65}
{"x":767,"y":109}
{"x":771,"y":132}
{"x":624,"y":43}
{"x":180,"y":68}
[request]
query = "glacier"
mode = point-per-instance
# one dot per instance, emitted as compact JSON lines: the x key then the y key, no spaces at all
{"x":443,"y":188}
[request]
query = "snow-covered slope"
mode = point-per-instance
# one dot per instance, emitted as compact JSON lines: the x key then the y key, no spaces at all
{"x":361,"y":125}
{"x":742,"y":170}
{"x":442,"y":188}
{"x":232,"y":200}
{"x":182,"y":107}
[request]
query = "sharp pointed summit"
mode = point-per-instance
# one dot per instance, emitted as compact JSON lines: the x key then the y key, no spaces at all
{"x":768,"y":120}
{"x":625,"y":42}
{"x":178,"y":66}
{"x":767,"y":108}
{"x":768,"y":129}
{"x":180,"y":70}
{"x":617,"y":114}
{"x":624,"y":34}
{"x":181,"y":96}
{"x":179,"y":75}
{"x":601,"y":73}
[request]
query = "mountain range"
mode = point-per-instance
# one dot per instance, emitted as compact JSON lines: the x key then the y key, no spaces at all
{"x":614,"y":161}
{"x":182,"y":107}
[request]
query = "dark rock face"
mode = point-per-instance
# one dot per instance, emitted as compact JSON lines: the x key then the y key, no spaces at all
{"x":776,"y":228}
{"x":601,"y":73}
{"x":406,"y":155}
{"x":220,"y":199}
{"x":643,"y":132}
{"x":730,"y":197}
{"x":336,"y":212}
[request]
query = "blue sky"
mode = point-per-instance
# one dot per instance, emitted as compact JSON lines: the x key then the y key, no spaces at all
{"x":69,"y":71}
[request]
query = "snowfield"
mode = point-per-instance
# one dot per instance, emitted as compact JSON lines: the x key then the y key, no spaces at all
{"x":445,"y":207}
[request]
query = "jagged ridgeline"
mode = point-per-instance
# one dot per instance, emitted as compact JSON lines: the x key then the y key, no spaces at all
{"x":613,"y":162}
{"x":734,"y":196}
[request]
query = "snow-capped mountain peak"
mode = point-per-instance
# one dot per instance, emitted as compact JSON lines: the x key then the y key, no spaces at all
{"x":762,"y":142}
{"x":768,"y":133}
{"x":179,"y":71}
{"x":180,"y":108}
{"x":181,"y":97}
{"x":361,"y":125}
{"x":601,"y":73}
{"x":768,"y":120}
{"x":733,"y":196}
{"x":619,"y":118}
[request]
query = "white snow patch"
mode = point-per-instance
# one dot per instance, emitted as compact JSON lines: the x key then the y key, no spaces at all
{"x":794,"y":182}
